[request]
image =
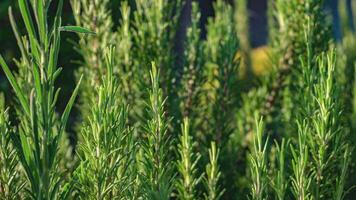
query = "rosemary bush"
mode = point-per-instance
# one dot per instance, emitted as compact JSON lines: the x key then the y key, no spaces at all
{"x":95,"y":16}
{"x":39,"y":132}
{"x":187,"y":165}
{"x":106,"y":148}
{"x":322,"y":124}
{"x":258,"y":160}
{"x":10,"y":180}
{"x":157,"y":170}
{"x":213,"y":175}
{"x":157,"y":124}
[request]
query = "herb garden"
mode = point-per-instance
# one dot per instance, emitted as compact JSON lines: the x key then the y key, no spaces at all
{"x":153,"y":122}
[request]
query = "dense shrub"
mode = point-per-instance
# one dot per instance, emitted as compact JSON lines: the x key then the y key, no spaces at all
{"x":158,"y":125}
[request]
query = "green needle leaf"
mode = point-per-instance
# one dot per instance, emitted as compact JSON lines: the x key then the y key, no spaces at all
{"x":25,"y":12}
{"x":15,"y":86}
{"x":69,"y":106}
{"x":76,"y":29}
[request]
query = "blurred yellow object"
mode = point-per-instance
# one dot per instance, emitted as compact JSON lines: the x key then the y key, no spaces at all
{"x":260,"y":61}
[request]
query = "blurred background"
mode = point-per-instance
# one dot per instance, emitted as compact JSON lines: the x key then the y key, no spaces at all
{"x":340,"y":12}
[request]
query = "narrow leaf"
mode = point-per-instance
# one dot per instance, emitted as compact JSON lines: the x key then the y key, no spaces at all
{"x":54,"y":51}
{"x":76,"y":29}
{"x":69,"y":106}
{"x":18,"y":36}
{"x":41,"y":20}
{"x":25,"y":12}
{"x":15,"y":86}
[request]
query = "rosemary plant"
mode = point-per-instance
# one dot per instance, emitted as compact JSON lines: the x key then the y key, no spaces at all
{"x":218,"y":103}
{"x":39,"y":132}
{"x":24,"y":75}
{"x":258,"y":164}
{"x":192,"y":77}
{"x":154,"y":28}
{"x":221,"y":46}
{"x":301,"y":178}
{"x":241,"y":141}
{"x":325,"y":136}
{"x":158,"y":172}
{"x":290,"y":39}
{"x":129,"y":73}
{"x":187,"y":166}
{"x":213,"y":175}
{"x":11,"y":183}
{"x":106,"y":149}
{"x":131,"y":146}
{"x":280,"y":181}
{"x":96,"y":16}
{"x":289,"y":45}
{"x":154,"y":25}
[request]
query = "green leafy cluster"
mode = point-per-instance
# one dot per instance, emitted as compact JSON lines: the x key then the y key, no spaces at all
{"x":40,"y":130}
{"x":159,"y":125}
{"x":10,"y":181}
{"x":106,"y":150}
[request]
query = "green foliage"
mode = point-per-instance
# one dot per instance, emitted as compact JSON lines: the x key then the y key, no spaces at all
{"x":301,"y":179}
{"x":187,"y":165}
{"x":325,"y":136}
{"x":129,"y":142}
{"x":280,"y":181}
{"x":258,"y":163}
{"x":95,"y":16}
{"x":128,"y":71}
{"x":154,"y":27}
{"x":154,"y":24}
{"x":221,"y":50}
{"x":76,"y":29}
{"x":213,"y":175}
{"x":106,"y":148}
{"x":157,"y":169}
{"x":289,"y":40}
{"x":11,"y":183}
{"x":39,"y":132}
{"x":192,"y":78}
{"x":146,"y":33}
